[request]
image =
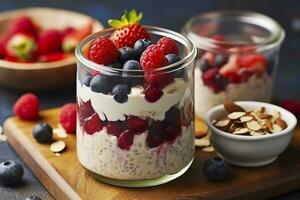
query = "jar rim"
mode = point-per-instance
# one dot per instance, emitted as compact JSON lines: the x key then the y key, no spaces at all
{"x":276,"y":37}
{"x":190,"y":47}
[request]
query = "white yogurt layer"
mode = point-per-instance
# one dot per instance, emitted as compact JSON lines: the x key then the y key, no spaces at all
{"x":100,"y":154}
{"x":137,"y":105}
{"x":257,"y":88}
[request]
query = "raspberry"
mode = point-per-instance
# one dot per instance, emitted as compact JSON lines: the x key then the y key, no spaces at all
{"x":153,"y":58}
{"x":67,"y":117}
{"x":125,"y":140}
{"x":115,"y":128}
{"x":137,"y":124}
{"x":167,"y":46}
{"x":49,"y":41}
{"x":159,"y":80}
{"x":152,"y":94}
{"x":27,"y":107}
{"x":93,"y":124}
{"x":103,"y":51}
{"x":85,"y":110}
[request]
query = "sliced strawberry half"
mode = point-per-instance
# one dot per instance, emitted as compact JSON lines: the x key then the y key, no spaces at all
{"x":256,"y":63}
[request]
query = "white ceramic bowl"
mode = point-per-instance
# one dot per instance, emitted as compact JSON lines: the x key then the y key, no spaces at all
{"x":250,"y":151}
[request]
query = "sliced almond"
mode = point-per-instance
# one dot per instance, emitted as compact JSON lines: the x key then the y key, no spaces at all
{"x":232,"y":127}
{"x":264,"y":116}
{"x":201,"y":128}
{"x":202,"y":142}
{"x":276,"y":128}
{"x":232,"y":107}
{"x":280,"y":122}
{"x":3,"y":138}
{"x":208,"y":149}
{"x":254,"y":133}
{"x":222,"y":123}
{"x":213,"y":121}
{"x":58,"y":146}
{"x":262,"y":109}
{"x":277,"y":115}
{"x":246,"y":118}
{"x":253,"y":125}
{"x":269,"y":124}
{"x":241,"y":131}
{"x":236,"y":115}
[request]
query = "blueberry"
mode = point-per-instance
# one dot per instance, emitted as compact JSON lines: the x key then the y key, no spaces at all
{"x":102,"y":84}
{"x":172,"y":115}
{"x":216,"y":169}
{"x":10,"y":172}
{"x":204,"y":65}
{"x":33,"y":198}
{"x":172,"y":58}
{"x":121,"y":97}
{"x":42,"y":133}
{"x":116,"y":65}
{"x":121,"y":88}
{"x":220,"y":60}
{"x":141,"y":45}
{"x":86,"y":79}
{"x":127,"y":53}
{"x":128,"y":77}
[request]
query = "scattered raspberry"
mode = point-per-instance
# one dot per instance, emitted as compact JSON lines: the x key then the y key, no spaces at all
{"x":67,"y":117}
{"x":23,"y":25}
{"x":153,"y":58}
{"x":167,"y":46}
{"x":291,"y":105}
{"x":27,"y":107}
{"x":103,"y":51}
{"x":49,"y":41}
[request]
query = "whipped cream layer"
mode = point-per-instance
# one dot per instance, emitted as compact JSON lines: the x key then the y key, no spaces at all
{"x":100,"y":154}
{"x":108,"y":109}
{"x":257,"y":88}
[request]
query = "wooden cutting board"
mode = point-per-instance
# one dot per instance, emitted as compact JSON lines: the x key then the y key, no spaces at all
{"x":64,"y":177}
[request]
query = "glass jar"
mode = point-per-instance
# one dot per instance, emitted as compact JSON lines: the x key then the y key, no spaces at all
{"x":146,"y":140}
{"x":237,"y":57}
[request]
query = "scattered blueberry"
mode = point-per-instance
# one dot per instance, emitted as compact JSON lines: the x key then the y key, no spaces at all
{"x":101,"y":84}
{"x":42,"y":133}
{"x":86,"y":79}
{"x":127,"y":53}
{"x":204,"y":65}
{"x":216,"y":169}
{"x":116,"y":65}
{"x":33,"y":198}
{"x":10,"y":172}
{"x":128,"y":77}
{"x":220,"y":60}
{"x":121,"y":88}
{"x":141,"y":45}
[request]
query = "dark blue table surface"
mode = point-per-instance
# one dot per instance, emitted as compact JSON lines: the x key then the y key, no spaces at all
{"x":170,"y":14}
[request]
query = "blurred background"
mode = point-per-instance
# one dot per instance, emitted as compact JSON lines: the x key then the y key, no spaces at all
{"x":169,"y":14}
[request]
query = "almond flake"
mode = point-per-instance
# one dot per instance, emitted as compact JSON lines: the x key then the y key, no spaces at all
{"x":222,"y":123}
{"x":276,"y":128}
{"x":253,"y":125}
{"x":253,"y":133}
{"x":232,"y":107}
{"x":264,"y":116}
{"x":60,"y":132}
{"x":262,"y":110}
{"x":240,"y":131}
{"x":3,"y":138}
{"x":58,"y":146}
{"x":208,"y":149}
{"x":1,"y":130}
{"x":202,"y":142}
{"x":277,"y":115}
{"x":236,"y":115}
{"x":281,"y":123}
{"x":246,"y":118}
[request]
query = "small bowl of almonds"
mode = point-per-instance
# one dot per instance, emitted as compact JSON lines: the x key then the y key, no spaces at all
{"x":249,"y":133}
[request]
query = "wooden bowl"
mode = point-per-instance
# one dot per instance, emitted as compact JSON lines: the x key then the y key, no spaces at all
{"x":43,"y":76}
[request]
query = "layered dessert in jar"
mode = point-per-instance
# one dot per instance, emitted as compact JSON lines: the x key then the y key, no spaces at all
{"x":135,"y":103}
{"x":237,"y":57}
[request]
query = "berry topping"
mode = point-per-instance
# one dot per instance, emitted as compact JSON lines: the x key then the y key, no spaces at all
{"x":120,"y":92}
{"x":152,"y":94}
{"x":49,"y":41}
{"x":256,"y":63}
{"x":204,"y":65}
{"x":167,"y":45}
{"x":137,"y":124}
{"x":156,"y":134}
{"x":216,"y":169}
{"x":127,"y":53}
{"x":42,"y":133}
{"x":214,"y":80}
{"x":67,"y":117}
{"x":291,"y":105}
{"x":153,"y":58}
{"x":86,"y":80}
{"x":22,"y":47}
{"x":115,"y":128}
{"x":173,"y":116}
{"x":27,"y":107}
{"x":23,"y":25}
{"x":85,"y":110}
{"x":159,"y":80}
{"x":172,"y":132}
{"x":128,"y":76}
{"x":103,"y":51}
{"x":141,"y":45}
{"x":125,"y":140}
{"x":10,"y":172}
{"x":128,"y":30}
{"x":93,"y":124}
{"x":101,"y":84}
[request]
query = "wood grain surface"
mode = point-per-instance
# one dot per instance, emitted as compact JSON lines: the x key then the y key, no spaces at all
{"x":64,"y":177}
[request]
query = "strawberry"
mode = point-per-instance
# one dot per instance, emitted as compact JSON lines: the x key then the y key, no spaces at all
{"x":21,"y":47}
{"x":128,"y":30}
{"x":51,"y":57}
{"x":167,"y":46}
{"x":49,"y":41}
{"x":23,"y":25}
{"x":255,"y":62}
{"x":103,"y":51}
{"x":72,"y":38}
{"x":231,"y":68}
